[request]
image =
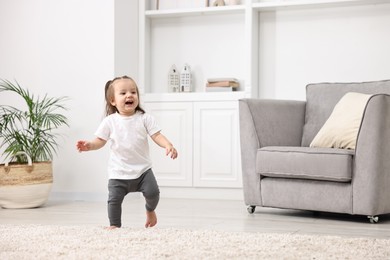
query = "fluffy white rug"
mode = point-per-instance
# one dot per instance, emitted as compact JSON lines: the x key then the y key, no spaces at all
{"x":86,"y":242}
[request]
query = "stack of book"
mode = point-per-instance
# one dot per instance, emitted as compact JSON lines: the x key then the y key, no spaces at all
{"x":222,"y":84}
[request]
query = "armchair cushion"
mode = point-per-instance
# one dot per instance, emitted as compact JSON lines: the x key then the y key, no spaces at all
{"x":327,"y":164}
{"x":342,"y":127}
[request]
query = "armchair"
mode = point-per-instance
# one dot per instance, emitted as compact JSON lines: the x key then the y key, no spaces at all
{"x":281,"y":170}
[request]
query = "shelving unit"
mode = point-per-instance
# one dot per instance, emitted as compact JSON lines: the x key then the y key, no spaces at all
{"x":215,"y":42}
{"x":242,"y":23}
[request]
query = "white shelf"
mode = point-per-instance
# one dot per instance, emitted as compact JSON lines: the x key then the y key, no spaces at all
{"x":232,"y":9}
{"x":193,"y":96}
{"x":300,"y":4}
{"x":208,"y":59}
{"x":197,"y":36}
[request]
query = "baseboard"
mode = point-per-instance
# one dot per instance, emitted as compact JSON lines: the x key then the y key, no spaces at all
{"x":83,"y":196}
{"x":165,"y":192}
{"x":202,"y":193}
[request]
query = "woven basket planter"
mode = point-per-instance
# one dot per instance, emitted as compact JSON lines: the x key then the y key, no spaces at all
{"x":25,"y":185}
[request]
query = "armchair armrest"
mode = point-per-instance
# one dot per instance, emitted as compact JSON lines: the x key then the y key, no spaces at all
{"x":276,"y":122}
{"x":371,"y":180}
{"x":266,"y":123}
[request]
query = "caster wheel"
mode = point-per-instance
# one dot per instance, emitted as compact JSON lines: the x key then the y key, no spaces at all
{"x":373,"y":219}
{"x":251,"y":209}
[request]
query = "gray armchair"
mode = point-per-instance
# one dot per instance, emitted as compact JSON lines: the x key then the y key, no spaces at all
{"x":281,"y":170}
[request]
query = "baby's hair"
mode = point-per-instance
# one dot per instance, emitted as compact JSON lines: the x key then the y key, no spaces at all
{"x":109,"y":93}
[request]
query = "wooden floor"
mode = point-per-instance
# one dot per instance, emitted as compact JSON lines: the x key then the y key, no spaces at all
{"x":202,"y":214}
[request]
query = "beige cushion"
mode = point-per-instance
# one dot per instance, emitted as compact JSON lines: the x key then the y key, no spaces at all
{"x":342,"y":127}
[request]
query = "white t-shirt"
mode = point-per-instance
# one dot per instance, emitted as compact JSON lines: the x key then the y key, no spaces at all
{"x":129,"y":148}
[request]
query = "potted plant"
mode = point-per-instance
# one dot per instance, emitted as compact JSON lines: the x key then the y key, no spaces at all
{"x":28,"y":136}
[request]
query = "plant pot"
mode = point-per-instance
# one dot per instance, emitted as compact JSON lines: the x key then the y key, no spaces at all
{"x":25,"y":185}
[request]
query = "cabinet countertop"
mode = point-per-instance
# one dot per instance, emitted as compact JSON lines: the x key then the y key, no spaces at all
{"x":193,"y":96}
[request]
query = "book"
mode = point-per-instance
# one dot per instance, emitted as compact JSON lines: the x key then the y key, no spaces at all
{"x":211,"y":80}
{"x":223,"y":84}
{"x":220,"y":89}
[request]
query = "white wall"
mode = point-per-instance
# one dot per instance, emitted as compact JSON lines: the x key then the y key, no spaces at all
{"x":126,"y":38}
{"x":72,"y":47}
{"x":322,"y":45}
{"x":63,"y":48}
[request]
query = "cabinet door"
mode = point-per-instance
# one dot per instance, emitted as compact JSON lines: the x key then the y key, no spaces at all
{"x":175,"y":120}
{"x":216,"y":144}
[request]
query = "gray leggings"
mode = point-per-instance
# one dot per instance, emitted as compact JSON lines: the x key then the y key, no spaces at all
{"x":118,"y":189}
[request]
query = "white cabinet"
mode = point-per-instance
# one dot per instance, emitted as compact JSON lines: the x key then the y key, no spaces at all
{"x":206,"y":136}
{"x":175,"y":119}
{"x":216,"y":145}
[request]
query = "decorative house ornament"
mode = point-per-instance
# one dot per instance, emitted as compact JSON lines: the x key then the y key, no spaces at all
{"x":185,"y":79}
{"x":219,"y":3}
{"x":173,"y":79}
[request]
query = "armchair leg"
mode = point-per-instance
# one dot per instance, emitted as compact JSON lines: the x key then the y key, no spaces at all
{"x":373,"y":219}
{"x":251,"y":209}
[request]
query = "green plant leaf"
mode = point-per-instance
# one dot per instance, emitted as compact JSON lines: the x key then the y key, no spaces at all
{"x":31,"y":130}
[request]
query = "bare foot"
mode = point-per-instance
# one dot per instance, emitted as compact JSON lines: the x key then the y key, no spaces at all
{"x":111,"y":227}
{"x":151,"y":219}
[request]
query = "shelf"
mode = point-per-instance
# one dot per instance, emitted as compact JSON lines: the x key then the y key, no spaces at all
{"x":176,"y":36}
{"x":299,"y":4}
{"x":232,"y":9}
{"x":193,"y":96}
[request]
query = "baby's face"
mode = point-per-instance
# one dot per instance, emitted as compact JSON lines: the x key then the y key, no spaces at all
{"x":125,"y":96}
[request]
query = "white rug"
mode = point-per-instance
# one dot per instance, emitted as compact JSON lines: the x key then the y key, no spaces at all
{"x":86,"y":242}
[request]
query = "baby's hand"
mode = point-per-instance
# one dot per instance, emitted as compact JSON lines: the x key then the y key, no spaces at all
{"x":172,"y":151}
{"x":83,"y":146}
